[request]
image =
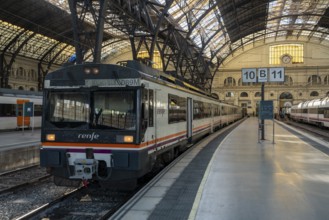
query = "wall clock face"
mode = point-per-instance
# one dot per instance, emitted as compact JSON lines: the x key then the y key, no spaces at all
{"x":286,"y":58}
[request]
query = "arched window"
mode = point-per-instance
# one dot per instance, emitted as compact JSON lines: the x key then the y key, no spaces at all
{"x":244,"y":94}
{"x":288,"y":80}
{"x":314,"y":80}
{"x":20,"y":88}
{"x":229,"y":94}
{"x":257,"y":94}
{"x":314,"y":93}
{"x":229,"y":81}
{"x":20,"y":72}
{"x":326,"y":80}
{"x":328,"y":94}
{"x":286,"y":95}
{"x":31,"y":89}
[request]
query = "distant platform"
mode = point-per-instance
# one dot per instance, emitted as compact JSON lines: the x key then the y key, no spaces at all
{"x":241,"y":178}
{"x":17,"y":139}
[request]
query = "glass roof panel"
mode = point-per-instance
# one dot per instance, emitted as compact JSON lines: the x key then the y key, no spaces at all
{"x":284,"y":18}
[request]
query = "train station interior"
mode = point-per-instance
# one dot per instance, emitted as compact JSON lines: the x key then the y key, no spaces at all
{"x":206,"y":43}
{"x":164,"y":109}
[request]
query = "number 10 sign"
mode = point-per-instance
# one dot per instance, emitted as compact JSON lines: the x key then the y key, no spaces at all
{"x":262,"y":75}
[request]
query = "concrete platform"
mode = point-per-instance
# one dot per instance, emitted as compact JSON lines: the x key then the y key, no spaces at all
{"x":19,"y":149}
{"x":241,"y":178}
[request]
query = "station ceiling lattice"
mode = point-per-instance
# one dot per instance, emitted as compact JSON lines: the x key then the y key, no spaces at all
{"x":212,"y":30}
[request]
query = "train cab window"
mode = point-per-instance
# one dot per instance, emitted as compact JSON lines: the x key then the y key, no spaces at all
{"x":113,"y":110}
{"x":67,"y":110}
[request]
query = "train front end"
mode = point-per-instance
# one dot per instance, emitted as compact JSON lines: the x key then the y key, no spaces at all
{"x":90,"y":128}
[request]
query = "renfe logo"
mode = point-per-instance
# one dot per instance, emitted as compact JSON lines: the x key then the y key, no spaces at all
{"x":89,"y":136}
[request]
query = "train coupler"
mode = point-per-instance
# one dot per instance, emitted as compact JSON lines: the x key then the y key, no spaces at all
{"x":84,"y":169}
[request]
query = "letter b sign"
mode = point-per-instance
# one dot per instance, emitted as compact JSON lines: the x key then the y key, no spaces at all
{"x":262,"y":74}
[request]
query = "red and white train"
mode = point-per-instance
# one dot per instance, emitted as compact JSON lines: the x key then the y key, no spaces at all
{"x":111,"y":123}
{"x":314,"y":111}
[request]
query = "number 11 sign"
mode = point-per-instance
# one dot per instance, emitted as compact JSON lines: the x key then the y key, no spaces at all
{"x":277,"y":74}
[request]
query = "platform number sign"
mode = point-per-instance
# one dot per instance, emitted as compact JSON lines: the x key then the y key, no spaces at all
{"x":277,"y":74}
{"x":249,"y":75}
{"x":262,"y":74}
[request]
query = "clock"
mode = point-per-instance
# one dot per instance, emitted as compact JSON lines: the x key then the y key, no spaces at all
{"x":286,"y":58}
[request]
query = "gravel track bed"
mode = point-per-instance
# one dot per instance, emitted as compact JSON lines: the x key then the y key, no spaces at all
{"x":16,"y":204}
{"x":23,"y":175}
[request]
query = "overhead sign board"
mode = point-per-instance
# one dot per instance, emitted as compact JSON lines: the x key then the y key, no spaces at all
{"x":249,"y":75}
{"x":262,"y":74}
{"x":266,"y":109}
{"x":276,"y":74}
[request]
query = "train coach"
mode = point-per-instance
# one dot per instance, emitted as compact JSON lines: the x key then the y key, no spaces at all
{"x":12,"y":103}
{"x":113,"y":123}
{"x":314,"y":111}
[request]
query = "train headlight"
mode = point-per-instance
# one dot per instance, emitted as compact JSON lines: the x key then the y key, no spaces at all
{"x":50,"y":137}
{"x":125,"y":139}
{"x":128,"y":138}
{"x":87,"y":70}
{"x":95,"y":70}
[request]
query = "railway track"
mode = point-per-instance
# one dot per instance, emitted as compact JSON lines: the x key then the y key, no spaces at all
{"x":82,"y":203}
{"x":15,"y":180}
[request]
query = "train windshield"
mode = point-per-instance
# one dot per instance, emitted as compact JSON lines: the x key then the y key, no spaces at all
{"x":68,"y":110}
{"x":114,"y":110}
{"x":95,"y":110}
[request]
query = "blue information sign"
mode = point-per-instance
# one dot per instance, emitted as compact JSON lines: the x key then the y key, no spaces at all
{"x":28,"y":109}
{"x":266,"y":110}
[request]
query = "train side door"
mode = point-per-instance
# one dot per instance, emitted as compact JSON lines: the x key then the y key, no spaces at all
{"x":189,"y":119}
{"x":148,"y":115}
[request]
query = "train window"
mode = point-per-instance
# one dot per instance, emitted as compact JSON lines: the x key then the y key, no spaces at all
{"x":321,"y":111}
{"x":177,"y":108}
{"x":313,"y":111}
{"x":37,"y":110}
{"x":304,"y":110}
{"x":113,"y":110}
{"x":67,"y":110}
{"x":224,"y":110}
{"x":326,"y":113}
{"x":197,"y":110}
{"x":216,"y":110}
{"x":151,"y":108}
{"x":206,"y":110}
{"x":7,"y":110}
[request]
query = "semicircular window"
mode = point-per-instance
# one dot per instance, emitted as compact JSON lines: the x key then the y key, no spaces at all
{"x":314,"y":93}
{"x":229,"y":81}
{"x":244,"y":94}
{"x":286,"y":95}
{"x":257,"y":94}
